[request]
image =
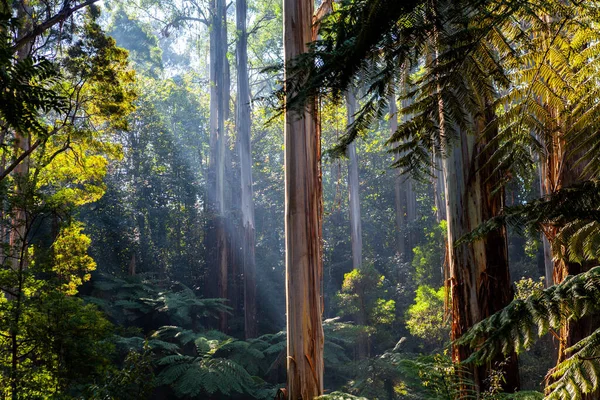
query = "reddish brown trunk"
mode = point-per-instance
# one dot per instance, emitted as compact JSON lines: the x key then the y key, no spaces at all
{"x":302,"y":223}
{"x":557,"y":171}
{"x":479,"y":275}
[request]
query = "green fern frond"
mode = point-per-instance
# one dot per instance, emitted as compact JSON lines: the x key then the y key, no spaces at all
{"x":340,"y":396}
{"x":579,"y":374}
{"x":512,"y":328}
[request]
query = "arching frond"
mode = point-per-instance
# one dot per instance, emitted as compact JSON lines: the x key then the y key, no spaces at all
{"x":518,"y":325}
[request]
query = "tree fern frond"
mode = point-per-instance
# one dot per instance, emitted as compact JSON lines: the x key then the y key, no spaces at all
{"x":511,"y":328}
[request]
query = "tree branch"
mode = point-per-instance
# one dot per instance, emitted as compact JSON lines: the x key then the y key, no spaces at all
{"x":20,"y":159}
{"x":62,"y":15}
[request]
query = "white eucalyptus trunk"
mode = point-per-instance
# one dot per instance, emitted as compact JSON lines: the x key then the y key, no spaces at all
{"x":353,"y":190}
{"x":247,"y":200}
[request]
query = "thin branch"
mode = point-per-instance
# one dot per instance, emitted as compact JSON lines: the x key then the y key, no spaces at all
{"x":61,"y":16}
{"x":20,"y":159}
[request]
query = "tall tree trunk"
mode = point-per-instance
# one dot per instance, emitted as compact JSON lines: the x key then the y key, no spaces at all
{"x":479,"y":278}
{"x":547,"y":251}
{"x":399,"y":196}
{"x":18,"y":225}
{"x":216,"y":238}
{"x":355,"y":222}
{"x":353,"y":189}
{"x":438,"y":188}
{"x":558,"y":170}
{"x":405,"y":197}
{"x":479,"y":275}
{"x":304,"y":270}
{"x":247,"y":198}
{"x":409,"y":192}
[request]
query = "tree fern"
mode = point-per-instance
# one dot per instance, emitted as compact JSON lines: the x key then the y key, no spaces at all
{"x":518,"y":325}
{"x":206,"y":372}
{"x":136,"y":297}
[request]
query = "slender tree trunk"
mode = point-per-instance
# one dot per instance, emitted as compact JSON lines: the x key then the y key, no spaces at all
{"x":411,"y":217}
{"x":548,"y":264}
{"x":438,"y":188}
{"x":399,"y":196}
{"x":409,"y":192}
{"x":18,"y":226}
{"x":405,"y":197}
{"x":247,"y":198}
{"x":304,"y":271}
{"x":353,"y":190}
{"x":355,"y":222}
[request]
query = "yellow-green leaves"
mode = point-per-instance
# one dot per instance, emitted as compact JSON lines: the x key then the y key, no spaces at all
{"x":72,"y":264}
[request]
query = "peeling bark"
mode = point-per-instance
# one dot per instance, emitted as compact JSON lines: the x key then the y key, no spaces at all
{"x":479,"y":279}
{"x":559,"y":170}
{"x":479,"y":275}
{"x":302,"y":223}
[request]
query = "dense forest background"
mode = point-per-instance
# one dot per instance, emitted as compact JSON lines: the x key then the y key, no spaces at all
{"x":143,"y":199}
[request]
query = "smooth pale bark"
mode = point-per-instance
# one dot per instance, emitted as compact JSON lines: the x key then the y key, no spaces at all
{"x":409,"y":192}
{"x":405,"y":196}
{"x":304,"y":272}
{"x":411,"y":216}
{"x":399,"y":197}
{"x":219,"y":95}
{"x":547,"y":251}
{"x":247,"y":198}
{"x":353,"y":190}
{"x":355,"y":222}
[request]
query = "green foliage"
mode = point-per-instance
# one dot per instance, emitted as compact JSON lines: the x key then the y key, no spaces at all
{"x":212,"y":362}
{"x":427,"y":257}
{"x":134,"y":381}
{"x":27,"y":88}
{"x":513,"y":329}
{"x":96,"y":60}
{"x":363,"y":297}
{"x":426,"y":318}
{"x":526,"y":287}
{"x":131,"y":299}
{"x":61,"y":343}
{"x":138,"y":39}
{"x":340,"y":396}
{"x":569,"y":206}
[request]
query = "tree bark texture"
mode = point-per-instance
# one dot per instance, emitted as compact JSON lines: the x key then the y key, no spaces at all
{"x":245,"y":151}
{"x":216,"y":238}
{"x":479,"y":276}
{"x":304,"y":272}
{"x":405,"y":197}
{"x":353,"y":190}
{"x":559,"y":170}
